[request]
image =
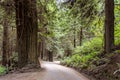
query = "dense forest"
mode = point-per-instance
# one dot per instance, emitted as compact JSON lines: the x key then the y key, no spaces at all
{"x":81,"y":34}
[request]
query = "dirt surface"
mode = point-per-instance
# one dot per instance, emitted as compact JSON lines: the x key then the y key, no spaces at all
{"x":50,"y":71}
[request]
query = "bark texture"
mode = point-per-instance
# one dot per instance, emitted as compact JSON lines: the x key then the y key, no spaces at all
{"x":26,"y":22}
{"x":6,"y":45}
{"x":109,"y":25}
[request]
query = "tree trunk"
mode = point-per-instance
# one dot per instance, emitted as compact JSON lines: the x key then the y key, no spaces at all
{"x":6,"y":46}
{"x":40,"y":48}
{"x":41,"y":53}
{"x":26,"y":22}
{"x":74,"y":38}
{"x":21,"y":34}
{"x":32,"y":28}
{"x":50,"y":56}
{"x":109,"y":25}
{"x":81,"y":36}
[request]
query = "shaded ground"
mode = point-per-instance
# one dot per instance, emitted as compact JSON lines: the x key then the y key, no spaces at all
{"x":109,"y":70}
{"x":50,"y":71}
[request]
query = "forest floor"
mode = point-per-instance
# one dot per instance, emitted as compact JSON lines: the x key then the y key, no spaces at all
{"x":49,"y":71}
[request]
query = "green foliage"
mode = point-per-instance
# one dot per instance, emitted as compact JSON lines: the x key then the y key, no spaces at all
{"x":85,"y":54}
{"x":94,"y":44}
{"x":3,"y":70}
{"x":117,"y":23}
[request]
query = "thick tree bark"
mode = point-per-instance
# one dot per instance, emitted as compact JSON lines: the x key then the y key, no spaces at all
{"x":21,"y":34}
{"x":109,"y":25}
{"x":6,"y":45}
{"x":26,"y":22}
{"x":32,"y":28}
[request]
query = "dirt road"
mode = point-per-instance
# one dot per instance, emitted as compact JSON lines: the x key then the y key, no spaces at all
{"x":51,"y":71}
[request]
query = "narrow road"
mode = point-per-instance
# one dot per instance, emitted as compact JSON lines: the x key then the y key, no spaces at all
{"x":51,"y":71}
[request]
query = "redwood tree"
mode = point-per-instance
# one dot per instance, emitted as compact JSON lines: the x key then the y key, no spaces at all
{"x":26,"y":22}
{"x":109,"y":25}
{"x":6,"y":47}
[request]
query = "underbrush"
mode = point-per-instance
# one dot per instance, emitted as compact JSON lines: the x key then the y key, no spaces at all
{"x":110,"y":70}
{"x":84,"y":55}
{"x":3,"y":70}
{"x":91,"y":59}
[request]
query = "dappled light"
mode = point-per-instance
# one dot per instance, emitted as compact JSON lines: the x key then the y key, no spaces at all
{"x":59,"y":39}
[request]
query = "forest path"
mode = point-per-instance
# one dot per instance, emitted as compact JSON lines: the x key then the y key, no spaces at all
{"x":51,"y":71}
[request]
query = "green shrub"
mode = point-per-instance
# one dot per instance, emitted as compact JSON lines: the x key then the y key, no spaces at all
{"x":3,"y":70}
{"x":117,"y":34}
{"x":85,"y":54}
{"x":90,"y":46}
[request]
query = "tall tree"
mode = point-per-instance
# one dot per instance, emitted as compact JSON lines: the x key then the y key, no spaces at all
{"x":109,"y":25}
{"x":32,"y":29}
{"x":74,"y":33}
{"x":6,"y":46}
{"x":21,"y":34}
{"x":7,"y":7}
{"x":26,"y":22}
{"x":81,"y":36}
